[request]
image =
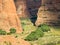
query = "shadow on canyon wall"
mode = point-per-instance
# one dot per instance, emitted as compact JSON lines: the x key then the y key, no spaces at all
{"x":32,"y":6}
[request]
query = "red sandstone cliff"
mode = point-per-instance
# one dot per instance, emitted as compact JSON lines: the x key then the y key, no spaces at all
{"x":8,"y":16}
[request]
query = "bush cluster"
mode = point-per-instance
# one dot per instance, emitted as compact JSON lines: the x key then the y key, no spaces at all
{"x":44,"y":27}
{"x":35,"y":35}
{"x":3,"y":32}
{"x":39,"y":32}
{"x":12,"y":30}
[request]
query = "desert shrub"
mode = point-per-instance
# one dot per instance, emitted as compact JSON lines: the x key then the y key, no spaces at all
{"x":39,"y":32}
{"x":2,"y":32}
{"x":35,"y":35}
{"x":44,"y":27}
{"x":23,"y":23}
{"x":31,"y":37}
{"x":12,"y":30}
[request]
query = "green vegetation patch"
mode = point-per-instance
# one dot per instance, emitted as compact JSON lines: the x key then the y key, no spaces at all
{"x":12,"y":30}
{"x":2,"y":32}
{"x":44,"y":27}
{"x":35,"y":35}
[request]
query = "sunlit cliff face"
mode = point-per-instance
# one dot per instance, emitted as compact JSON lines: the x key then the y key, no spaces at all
{"x":8,"y":16}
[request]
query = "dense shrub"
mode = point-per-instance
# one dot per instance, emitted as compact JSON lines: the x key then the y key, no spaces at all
{"x":35,"y":35}
{"x":44,"y":27}
{"x":2,"y":32}
{"x":31,"y":37}
{"x":12,"y":30}
{"x":39,"y":32}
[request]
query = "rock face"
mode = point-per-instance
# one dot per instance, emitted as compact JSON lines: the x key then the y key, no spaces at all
{"x":49,"y":13}
{"x":22,"y":10}
{"x":33,"y":6}
{"x":8,"y":16}
{"x":27,"y":8}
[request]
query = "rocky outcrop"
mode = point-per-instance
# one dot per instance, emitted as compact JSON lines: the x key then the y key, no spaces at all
{"x":22,"y":10}
{"x":49,"y":13}
{"x":27,"y":8}
{"x":8,"y":16}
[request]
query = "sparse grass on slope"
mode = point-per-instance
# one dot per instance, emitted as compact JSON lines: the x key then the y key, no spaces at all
{"x":49,"y":38}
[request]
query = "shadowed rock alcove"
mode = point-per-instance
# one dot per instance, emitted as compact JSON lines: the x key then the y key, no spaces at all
{"x":28,"y":8}
{"x":39,"y":11}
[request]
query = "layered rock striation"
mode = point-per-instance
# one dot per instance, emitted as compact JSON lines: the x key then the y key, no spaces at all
{"x":49,"y":13}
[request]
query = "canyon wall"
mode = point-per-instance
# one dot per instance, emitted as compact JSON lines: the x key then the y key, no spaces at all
{"x":45,"y":11}
{"x":21,"y":8}
{"x":27,"y":8}
{"x":8,"y":16}
{"x":49,"y":13}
